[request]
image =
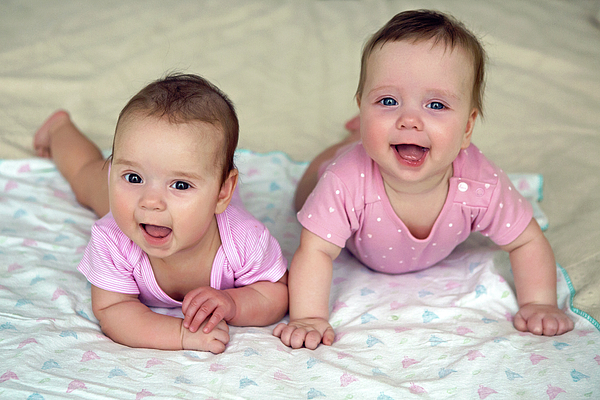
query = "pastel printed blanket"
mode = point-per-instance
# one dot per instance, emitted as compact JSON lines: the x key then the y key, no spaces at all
{"x":442,"y":333}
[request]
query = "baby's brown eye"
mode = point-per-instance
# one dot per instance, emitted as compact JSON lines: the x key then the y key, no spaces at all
{"x":180,"y":185}
{"x":133,"y":178}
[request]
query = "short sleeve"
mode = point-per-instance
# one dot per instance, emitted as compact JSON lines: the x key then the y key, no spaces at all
{"x":508,"y":213}
{"x":329,"y":211}
{"x":105,"y":264}
{"x":248,"y":253}
{"x":263,"y":262}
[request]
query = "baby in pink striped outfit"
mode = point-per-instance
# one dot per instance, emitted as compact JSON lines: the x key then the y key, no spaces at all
{"x":174,"y":232}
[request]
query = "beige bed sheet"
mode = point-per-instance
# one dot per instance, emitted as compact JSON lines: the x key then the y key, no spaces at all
{"x":291,"y":68}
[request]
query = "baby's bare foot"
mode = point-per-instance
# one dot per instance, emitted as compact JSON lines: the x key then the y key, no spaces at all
{"x":353,"y":126}
{"x":41,"y":140}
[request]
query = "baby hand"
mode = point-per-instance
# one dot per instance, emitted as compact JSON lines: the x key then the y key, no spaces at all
{"x":214,"y":341}
{"x":201,"y":302}
{"x":542,"y":319}
{"x":308,"y":332}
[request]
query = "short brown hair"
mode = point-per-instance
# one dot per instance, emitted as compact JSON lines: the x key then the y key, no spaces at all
{"x":184,"y":98}
{"x":423,"y":25}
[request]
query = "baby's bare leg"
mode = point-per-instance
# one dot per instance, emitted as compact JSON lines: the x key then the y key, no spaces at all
{"x":311,"y":175}
{"x":77,"y":159}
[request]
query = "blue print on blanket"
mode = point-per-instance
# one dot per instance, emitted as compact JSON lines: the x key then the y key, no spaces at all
{"x":440,"y":333}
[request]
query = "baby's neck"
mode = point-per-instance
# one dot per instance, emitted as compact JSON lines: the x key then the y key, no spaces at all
{"x":189,"y":268}
{"x":419,"y":209}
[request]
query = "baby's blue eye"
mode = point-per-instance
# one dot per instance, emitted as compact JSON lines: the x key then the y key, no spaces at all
{"x":436,"y":105}
{"x":388,"y":101}
{"x":133,"y":178}
{"x":180,"y":185}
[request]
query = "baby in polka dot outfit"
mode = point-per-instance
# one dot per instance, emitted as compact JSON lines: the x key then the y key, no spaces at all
{"x":407,"y":186}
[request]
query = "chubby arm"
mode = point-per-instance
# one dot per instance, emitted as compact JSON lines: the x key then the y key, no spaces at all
{"x":309,"y":286}
{"x":126,"y":320}
{"x":261,"y":303}
{"x":534,"y":271}
{"x":258,"y":304}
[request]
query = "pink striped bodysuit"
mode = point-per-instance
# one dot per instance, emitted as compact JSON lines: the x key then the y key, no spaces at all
{"x":248,"y":254}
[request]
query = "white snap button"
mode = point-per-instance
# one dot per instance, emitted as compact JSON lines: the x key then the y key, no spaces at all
{"x":463,"y":186}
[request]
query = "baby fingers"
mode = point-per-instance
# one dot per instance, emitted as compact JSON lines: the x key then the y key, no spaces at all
{"x":542,"y":320}
{"x":202,"y":303}
{"x":197,"y":312}
{"x":221,"y":338}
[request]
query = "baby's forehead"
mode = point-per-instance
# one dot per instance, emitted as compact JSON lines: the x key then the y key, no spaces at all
{"x":193,"y":134}
{"x":139,"y":137}
{"x":449,"y":49}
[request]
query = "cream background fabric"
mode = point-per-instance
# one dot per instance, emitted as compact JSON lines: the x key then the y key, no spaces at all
{"x":291,"y":68}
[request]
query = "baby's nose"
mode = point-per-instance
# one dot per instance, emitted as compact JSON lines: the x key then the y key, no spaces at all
{"x":409,"y":119}
{"x":152,"y":199}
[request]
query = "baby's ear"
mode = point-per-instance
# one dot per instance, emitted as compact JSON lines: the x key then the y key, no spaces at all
{"x":226,"y":192}
{"x":469,"y":129}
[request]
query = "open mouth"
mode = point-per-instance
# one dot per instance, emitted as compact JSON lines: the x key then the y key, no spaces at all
{"x":411,"y":153}
{"x":155,"y":231}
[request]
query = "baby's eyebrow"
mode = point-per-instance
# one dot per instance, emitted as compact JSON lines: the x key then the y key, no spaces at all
{"x":376,"y":91}
{"x":187,"y":175}
{"x":124,"y":162}
{"x":444,"y":93}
